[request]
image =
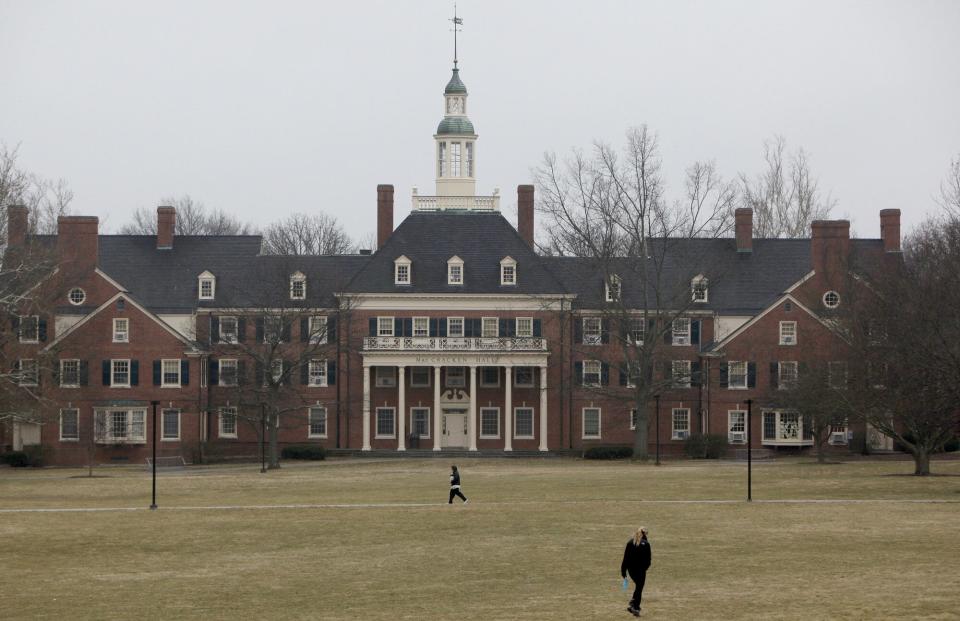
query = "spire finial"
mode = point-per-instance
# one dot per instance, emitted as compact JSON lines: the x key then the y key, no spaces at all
{"x":457,"y":21}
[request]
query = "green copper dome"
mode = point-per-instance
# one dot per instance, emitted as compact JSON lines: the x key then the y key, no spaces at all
{"x":455,"y":125}
{"x":455,"y":85}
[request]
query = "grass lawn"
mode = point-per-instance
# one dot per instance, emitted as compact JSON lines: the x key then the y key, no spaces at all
{"x":540,"y":539}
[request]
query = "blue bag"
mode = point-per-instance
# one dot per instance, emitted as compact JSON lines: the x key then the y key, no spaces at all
{"x":625,"y":584}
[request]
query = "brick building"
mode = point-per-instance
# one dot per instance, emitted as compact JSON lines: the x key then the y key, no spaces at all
{"x":453,"y":334}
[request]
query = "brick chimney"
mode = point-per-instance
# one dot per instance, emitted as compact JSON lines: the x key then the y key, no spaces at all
{"x":166,"y":223}
{"x":384,"y":213}
{"x":830,"y":246}
{"x":18,"y":222}
{"x":743,"y":218}
{"x":77,"y":244}
{"x":890,"y":229}
{"x":525,"y":213}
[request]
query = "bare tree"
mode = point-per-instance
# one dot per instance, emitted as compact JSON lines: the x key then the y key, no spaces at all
{"x":818,"y":395}
{"x":301,"y":234}
{"x":367,"y":241}
{"x":785,"y":196}
{"x":193,"y":218}
{"x":608,"y":207}
{"x":950,"y":189}
{"x":46,"y":199}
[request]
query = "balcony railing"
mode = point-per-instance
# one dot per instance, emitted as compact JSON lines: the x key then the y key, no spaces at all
{"x":451,"y":343}
{"x":457,"y":203}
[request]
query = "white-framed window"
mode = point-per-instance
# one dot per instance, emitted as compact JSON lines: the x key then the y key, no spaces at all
{"x":681,"y":373}
{"x":637,"y":331}
{"x":508,"y":271}
{"x":386,"y":377}
{"x":386,"y":419}
{"x":317,"y":422}
{"x":120,"y":373}
{"x":170,"y":373}
{"x":276,"y":370}
{"x":681,"y":331}
{"x":228,"y":330}
{"x":838,"y":434}
{"x":420,"y":422}
{"x":592,"y":330}
{"x":454,"y":159}
{"x":632,"y":372}
{"x":787,"y":374}
{"x":613,"y":288}
{"x":783,"y":427}
{"x":421,"y":326}
{"x":69,"y":425}
{"x":272,"y":329}
{"x":228,"y":372}
{"x":317,"y":325}
{"x":523,"y":377}
{"x":831,"y":299}
{"x":698,"y":289}
{"x":420,"y":377}
{"x":121,"y":426}
{"x":591,"y":372}
{"x":298,"y":286}
{"x":441,"y":159}
{"x":170,"y":425}
{"x":788,"y":332}
{"x":317,"y":372}
{"x":633,"y":418}
{"x":491,"y":327}
{"x":456,"y":377}
{"x":524,"y":326}
{"x":837,"y":374}
{"x":591,"y":423}
{"x":681,"y":424}
{"x":28,"y":373}
{"x":384,"y":326}
{"x":489,"y":377}
{"x":736,"y":375}
{"x":77,"y":296}
{"x":121,"y":330}
{"x":455,"y":327}
{"x":207,"y":286}
{"x":489,"y":422}
{"x":228,"y":422}
{"x":401,"y":271}
{"x":29,"y":329}
{"x":69,"y":373}
{"x":736,"y":426}
{"x":522,"y":423}
{"x":455,"y":271}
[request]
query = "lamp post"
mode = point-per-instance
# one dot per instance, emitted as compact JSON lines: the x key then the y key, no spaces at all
{"x":749,"y":450}
{"x":657,"y":399}
{"x":263,"y":438}
{"x":153,"y":504}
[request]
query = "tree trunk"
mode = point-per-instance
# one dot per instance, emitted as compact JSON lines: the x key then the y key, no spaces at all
{"x":821,"y":456}
{"x":641,"y":434}
{"x":921,"y":459}
{"x":273,"y":456}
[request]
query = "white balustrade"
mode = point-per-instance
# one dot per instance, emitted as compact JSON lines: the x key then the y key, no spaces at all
{"x":448,"y":343}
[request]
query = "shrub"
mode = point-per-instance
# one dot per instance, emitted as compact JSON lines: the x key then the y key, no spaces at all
{"x":303,"y":451}
{"x":16,"y":459}
{"x":705,"y":446}
{"x":608,"y":452}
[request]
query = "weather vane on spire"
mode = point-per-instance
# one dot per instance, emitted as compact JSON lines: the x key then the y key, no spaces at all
{"x":457,"y":21}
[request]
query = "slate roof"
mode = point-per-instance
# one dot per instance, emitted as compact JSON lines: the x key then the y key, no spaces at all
{"x":481,"y":239}
{"x":455,"y":85}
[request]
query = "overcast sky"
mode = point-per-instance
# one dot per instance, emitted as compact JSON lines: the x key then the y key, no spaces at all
{"x":267,"y":108}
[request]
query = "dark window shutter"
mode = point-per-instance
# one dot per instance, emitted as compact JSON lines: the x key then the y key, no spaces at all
{"x":398,"y":326}
{"x":468,"y":327}
{"x":695,"y":373}
{"x":184,"y":372}
{"x":604,"y":374}
{"x":213,"y":372}
{"x":433,"y":327}
{"x":668,"y":333}
{"x":801,"y":369}
{"x":331,"y":373}
{"x":15,"y":324}
{"x":259,"y":321}
{"x":331,"y":329}
{"x":304,"y":329}
{"x":241,"y":329}
{"x":157,"y":373}
{"x":285,"y":332}
{"x":56,"y":373}
{"x":503,"y":328}
{"x":42,"y":330}
{"x":604,"y":330}
{"x":373,"y":326}
{"x":442,"y":327}
{"x":261,"y":380}
{"x":623,"y":376}
{"x":408,"y":326}
{"x":214,"y":329}
{"x":84,"y":373}
{"x":134,"y":372}
{"x":537,"y":328}
{"x":105,"y":367}
{"x":751,"y":375}
{"x":578,"y":330}
{"x":241,"y":372}
{"x":305,"y":373}
{"x":724,"y":375}
{"x":695,"y":332}
{"x":578,"y":371}
{"x":650,"y":373}
{"x":668,"y":370}
{"x":774,"y":374}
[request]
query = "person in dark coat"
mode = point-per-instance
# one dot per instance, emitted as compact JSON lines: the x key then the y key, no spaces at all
{"x":455,"y":485}
{"x":636,"y":560}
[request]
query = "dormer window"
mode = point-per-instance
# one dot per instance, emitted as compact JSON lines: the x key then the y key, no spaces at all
{"x":207,"y":286}
{"x":401,"y":271}
{"x":455,"y":271}
{"x":613,"y":288}
{"x":698,"y":289}
{"x":508,"y":271}
{"x":298,"y":286}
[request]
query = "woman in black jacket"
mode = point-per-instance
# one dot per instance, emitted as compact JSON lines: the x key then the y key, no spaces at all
{"x":636,"y":560}
{"x":455,"y":485}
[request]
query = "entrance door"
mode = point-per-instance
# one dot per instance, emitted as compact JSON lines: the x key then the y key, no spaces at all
{"x":454,"y":428}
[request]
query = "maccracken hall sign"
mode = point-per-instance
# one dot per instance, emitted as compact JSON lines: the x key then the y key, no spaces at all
{"x":449,"y":360}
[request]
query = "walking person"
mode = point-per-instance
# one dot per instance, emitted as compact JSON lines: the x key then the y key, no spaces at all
{"x":636,"y":560}
{"x":455,"y":485}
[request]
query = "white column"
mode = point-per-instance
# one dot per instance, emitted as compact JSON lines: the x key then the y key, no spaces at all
{"x":472,"y":427}
{"x":366,"y":408}
{"x":401,"y":408}
{"x":508,"y":407}
{"x":543,"y":408}
{"x":436,"y":408}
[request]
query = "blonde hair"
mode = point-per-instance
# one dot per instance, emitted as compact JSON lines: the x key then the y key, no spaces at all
{"x":640,"y":534}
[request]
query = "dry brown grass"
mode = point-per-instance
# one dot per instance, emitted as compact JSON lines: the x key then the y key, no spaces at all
{"x":539,"y":540}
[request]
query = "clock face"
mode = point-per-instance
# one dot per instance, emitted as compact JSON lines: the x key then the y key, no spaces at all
{"x":455,"y":105}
